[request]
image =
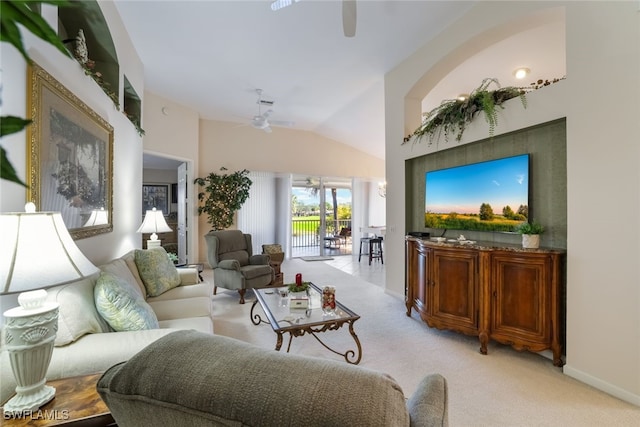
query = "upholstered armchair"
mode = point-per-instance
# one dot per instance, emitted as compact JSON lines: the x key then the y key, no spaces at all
{"x":230,"y":255}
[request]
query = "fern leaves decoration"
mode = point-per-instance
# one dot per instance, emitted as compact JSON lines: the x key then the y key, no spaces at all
{"x":454,"y":115}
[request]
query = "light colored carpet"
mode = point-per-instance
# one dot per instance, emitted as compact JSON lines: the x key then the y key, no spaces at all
{"x":503,"y":388}
{"x":316,"y":258}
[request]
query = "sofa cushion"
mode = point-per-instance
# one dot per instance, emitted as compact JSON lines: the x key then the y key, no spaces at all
{"x":130,"y":259}
{"x":167,"y":383}
{"x":203,"y":289}
{"x":77,"y":314}
{"x":121,"y":305}
{"x":119,"y":267}
{"x":428,"y":406}
{"x":89,"y":354}
{"x":252,"y":271}
{"x":157,"y":271}
{"x":179,"y":308}
{"x":201,"y":324}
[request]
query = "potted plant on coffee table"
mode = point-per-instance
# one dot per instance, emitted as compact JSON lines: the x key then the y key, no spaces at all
{"x":531,"y":232}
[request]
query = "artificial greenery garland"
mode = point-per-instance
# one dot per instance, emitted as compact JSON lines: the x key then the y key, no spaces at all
{"x":453,"y":115}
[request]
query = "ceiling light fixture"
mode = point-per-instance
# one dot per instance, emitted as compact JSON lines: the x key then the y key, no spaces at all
{"x":463,"y":97}
{"x":521,"y":73}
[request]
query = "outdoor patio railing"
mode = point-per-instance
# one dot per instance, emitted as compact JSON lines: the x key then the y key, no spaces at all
{"x":306,"y":232}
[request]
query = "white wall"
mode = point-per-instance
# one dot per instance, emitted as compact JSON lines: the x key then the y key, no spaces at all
{"x":127,"y":161}
{"x":172,"y":131}
{"x":283,"y":151}
{"x":127,"y":156}
{"x":599,"y":99}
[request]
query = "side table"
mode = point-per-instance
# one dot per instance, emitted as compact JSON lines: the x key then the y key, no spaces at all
{"x":77,"y":403}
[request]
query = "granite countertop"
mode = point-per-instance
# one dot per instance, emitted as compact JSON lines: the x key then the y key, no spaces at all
{"x":483,"y":245}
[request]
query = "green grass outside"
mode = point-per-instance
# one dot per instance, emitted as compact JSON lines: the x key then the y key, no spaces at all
{"x":310,"y":225}
{"x":469,"y":222}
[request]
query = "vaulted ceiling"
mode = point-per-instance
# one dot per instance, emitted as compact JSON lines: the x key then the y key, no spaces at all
{"x":212,"y":56}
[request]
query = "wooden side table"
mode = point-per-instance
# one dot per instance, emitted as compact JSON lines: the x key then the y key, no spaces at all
{"x":77,"y":403}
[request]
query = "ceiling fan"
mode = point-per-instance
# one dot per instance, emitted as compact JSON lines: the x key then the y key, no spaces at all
{"x":349,"y":14}
{"x":261,"y":120}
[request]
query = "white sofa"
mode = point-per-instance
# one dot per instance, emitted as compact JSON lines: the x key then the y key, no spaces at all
{"x":85,"y":342}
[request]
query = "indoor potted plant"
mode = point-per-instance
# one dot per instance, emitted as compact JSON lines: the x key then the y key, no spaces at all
{"x":222,"y":196}
{"x":531,"y":232}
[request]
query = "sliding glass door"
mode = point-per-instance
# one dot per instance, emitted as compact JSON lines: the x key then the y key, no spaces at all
{"x":321,"y":216}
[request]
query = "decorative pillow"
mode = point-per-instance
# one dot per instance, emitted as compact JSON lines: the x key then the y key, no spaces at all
{"x":77,"y":314}
{"x":157,"y":271}
{"x":121,"y":306}
{"x":271,"y":249}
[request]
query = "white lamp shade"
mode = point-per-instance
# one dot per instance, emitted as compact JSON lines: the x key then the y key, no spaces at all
{"x":154,"y":222}
{"x":38,"y":252}
{"x":98,"y":217}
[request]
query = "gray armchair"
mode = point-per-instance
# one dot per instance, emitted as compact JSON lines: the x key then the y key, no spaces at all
{"x":230,"y":255}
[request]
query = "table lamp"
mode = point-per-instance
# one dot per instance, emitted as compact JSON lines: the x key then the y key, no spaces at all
{"x":97,"y":217}
{"x":37,"y":252}
{"x":153,"y":223}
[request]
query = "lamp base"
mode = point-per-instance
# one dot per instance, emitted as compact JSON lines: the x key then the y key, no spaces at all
{"x":28,"y":402}
{"x":30,"y":337}
{"x":153,"y":243}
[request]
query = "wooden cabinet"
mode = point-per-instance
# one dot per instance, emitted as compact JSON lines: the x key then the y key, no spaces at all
{"x":453,"y":294}
{"x":525,"y":301}
{"x":507,"y":294}
{"x":417,"y":280}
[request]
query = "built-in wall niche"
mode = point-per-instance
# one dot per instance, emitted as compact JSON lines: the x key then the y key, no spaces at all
{"x":132,"y":105}
{"x":101,"y":59}
{"x":547,"y":148}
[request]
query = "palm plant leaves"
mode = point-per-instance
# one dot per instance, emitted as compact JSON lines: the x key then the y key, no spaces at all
{"x":6,"y":169}
{"x":13,"y":12}
{"x":12,"y":124}
{"x":9,"y":125}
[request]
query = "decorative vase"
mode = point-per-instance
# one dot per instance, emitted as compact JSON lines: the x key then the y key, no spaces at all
{"x":329,"y":299}
{"x":530,"y":241}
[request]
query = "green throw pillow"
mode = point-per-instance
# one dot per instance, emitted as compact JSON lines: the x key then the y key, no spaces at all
{"x":121,"y":306}
{"x":157,"y":271}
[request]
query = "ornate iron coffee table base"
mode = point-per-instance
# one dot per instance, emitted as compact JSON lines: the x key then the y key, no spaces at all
{"x":311,"y":321}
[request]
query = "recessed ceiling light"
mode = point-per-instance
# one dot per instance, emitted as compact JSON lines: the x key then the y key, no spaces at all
{"x":521,"y":72}
{"x":463,"y":97}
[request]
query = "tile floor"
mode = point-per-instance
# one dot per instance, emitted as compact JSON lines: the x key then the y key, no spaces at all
{"x":373,"y":273}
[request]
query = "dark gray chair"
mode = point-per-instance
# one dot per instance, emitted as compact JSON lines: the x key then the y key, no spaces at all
{"x":230,"y":255}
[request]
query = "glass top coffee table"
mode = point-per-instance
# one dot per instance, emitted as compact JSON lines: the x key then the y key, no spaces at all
{"x":312,"y":320}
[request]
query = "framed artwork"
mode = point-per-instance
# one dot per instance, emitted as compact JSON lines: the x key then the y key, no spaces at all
{"x":155,"y":196}
{"x":70,"y":167}
{"x":174,"y":193}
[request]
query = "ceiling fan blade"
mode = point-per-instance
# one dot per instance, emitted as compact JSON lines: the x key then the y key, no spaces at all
{"x":283,"y":123}
{"x":349,"y":17}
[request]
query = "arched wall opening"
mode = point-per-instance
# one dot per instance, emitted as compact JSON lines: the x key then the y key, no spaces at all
{"x":480,"y":46}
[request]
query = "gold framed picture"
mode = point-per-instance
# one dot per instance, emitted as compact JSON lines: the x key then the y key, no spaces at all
{"x":70,"y":157}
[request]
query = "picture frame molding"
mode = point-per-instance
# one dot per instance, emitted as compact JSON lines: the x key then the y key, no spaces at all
{"x":89,"y":123}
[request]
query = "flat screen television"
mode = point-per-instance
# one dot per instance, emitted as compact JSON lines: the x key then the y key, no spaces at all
{"x":486,"y":196}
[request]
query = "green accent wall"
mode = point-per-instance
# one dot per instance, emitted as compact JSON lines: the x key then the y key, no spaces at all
{"x":547,"y":145}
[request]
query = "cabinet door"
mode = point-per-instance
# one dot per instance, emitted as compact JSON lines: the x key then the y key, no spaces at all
{"x":453,"y":296}
{"x":520,"y":303}
{"x":417,"y":277}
